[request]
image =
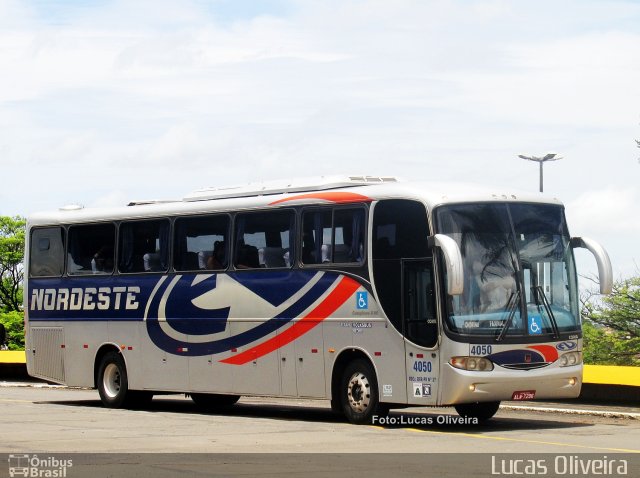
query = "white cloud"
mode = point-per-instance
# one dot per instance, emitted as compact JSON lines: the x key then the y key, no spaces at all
{"x":611,"y":216}
{"x":606,"y":211}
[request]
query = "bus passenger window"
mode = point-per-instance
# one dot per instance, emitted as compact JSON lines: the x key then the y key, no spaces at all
{"x":47,"y":252}
{"x":144,"y":246}
{"x":201,"y":243}
{"x":316,"y":227}
{"x":264,"y":240}
{"x":333,"y":236}
{"x":91,"y":249}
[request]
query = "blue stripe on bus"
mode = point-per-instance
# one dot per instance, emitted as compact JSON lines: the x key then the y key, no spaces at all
{"x":179,"y":347}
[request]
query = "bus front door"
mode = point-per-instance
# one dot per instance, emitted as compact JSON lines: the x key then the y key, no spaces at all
{"x":420,"y":329}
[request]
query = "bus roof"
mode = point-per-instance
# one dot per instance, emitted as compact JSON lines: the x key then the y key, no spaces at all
{"x":320,"y":190}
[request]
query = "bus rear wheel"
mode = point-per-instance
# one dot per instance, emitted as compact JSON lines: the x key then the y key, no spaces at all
{"x":213,"y":402}
{"x":113,"y":384}
{"x":481,"y":410}
{"x":359,"y":393}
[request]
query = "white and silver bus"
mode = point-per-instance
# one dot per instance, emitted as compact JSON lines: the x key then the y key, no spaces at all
{"x":369,"y":292}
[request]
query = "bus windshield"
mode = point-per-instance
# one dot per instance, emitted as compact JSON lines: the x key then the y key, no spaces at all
{"x":519,"y":270}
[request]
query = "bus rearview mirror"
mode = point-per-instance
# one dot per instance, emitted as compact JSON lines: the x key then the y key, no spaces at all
{"x":453,"y":262}
{"x":605,"y":272}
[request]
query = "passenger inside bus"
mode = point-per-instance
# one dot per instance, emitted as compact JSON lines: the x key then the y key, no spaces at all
{"x":103,"y":260}
{"x":217,"y":259}
{"x":248,"y":257}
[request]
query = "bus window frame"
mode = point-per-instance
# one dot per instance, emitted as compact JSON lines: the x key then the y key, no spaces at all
{"x":230,"y":226}
{"x":68,"y":226}
{"x":231,"y":266}
{"x":333,"y":208}
{"x":64,"y":248}
{"x":169,"y":269}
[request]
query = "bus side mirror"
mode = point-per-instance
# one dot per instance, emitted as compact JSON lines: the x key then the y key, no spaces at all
{"x":605,"y":273}
{"x":453,"y":262}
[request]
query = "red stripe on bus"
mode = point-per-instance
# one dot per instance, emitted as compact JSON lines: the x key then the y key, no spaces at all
{"x":336,"y":197}
{"x":549,"y":352}
{"x":345,"y":289}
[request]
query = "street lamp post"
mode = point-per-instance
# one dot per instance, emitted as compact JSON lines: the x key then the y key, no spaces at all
{"x":541,"y":161}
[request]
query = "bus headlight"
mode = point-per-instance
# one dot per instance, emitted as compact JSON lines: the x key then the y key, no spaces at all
{"x":475,"y":364}
{"x":570,"y":358}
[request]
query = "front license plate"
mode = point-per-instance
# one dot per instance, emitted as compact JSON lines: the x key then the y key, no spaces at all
{"x":524,"y":395}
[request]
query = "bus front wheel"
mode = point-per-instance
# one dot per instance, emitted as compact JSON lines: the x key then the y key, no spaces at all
{"x":359,"y":393}
{"x":481,"y":410}
{"x":113,"y":384}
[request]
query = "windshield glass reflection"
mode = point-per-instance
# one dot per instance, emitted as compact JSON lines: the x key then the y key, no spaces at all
{"x":519,"y":271}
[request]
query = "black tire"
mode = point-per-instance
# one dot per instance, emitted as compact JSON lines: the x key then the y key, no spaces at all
{"x":359,"y":393}
{"x":336,"y":404}
{"x":214,"y":402}
{"x":113,"y":383}
{"x":483,"y":411}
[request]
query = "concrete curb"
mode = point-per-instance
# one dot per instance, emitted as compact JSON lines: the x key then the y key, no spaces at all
{"x":4,"y":384}
{"x":574,"y":411}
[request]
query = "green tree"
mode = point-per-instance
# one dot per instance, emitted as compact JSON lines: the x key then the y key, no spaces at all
{"x":611,"y":325}
{"x":14,"y":326}
{"x":12,"y":230}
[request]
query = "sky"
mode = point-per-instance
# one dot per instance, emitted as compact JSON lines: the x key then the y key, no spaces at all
{"x":103,"y":102}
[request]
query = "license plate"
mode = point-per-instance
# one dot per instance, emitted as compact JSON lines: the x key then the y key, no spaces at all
{"x":524,"y":395}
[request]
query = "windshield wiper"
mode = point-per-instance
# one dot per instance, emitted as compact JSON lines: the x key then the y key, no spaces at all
{"x":540,"y":296}
{"x":511,"y":308}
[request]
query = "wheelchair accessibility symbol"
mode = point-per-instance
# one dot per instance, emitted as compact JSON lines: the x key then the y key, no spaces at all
{"x":362,"y":300}
{"x":534,"y":325}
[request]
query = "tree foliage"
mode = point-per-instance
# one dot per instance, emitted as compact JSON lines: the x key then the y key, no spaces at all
{"x":12,"y":231}
{"x":612,"y":325}
{"x":14,"y":326}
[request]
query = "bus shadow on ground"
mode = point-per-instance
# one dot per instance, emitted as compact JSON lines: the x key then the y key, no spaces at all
{"x":397,"y":419}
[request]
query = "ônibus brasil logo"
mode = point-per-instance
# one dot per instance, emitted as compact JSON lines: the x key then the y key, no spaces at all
{"x":38,"y":466}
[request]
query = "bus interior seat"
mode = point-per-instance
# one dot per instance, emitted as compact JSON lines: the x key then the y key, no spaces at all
{"x":248,"y":257}
{"x":151,"y":261}
{"x":342,"y":253}
{"x":203,"y":258}
{"x":326,"y":252}
{"x":74,"y":267}
{"x":272,"y":256}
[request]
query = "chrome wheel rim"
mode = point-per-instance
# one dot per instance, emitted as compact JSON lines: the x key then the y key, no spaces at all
{"x":359,"y":392}
{"x":112,"y":380}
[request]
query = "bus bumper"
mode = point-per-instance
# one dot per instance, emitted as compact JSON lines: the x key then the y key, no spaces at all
{"x":553,"y":382}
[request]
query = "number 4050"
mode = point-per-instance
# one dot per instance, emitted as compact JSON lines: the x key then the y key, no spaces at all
{"x":479,"y":350}
{"x":422,"y":366}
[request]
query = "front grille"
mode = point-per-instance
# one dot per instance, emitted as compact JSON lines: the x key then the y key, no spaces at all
{"x":525,"y":366}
